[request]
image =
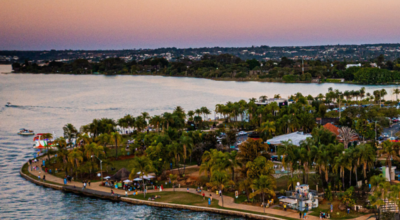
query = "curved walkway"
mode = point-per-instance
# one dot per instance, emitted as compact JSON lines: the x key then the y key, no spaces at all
{"x":228,"y":201}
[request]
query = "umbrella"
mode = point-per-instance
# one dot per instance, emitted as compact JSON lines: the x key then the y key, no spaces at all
{"x":137,"y":179}
{"x":107,"y":177}
{"x":127,"y":181}
{"x":148,"y":177}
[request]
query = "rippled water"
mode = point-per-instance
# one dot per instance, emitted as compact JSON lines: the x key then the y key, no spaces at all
{"x":45,"y":103}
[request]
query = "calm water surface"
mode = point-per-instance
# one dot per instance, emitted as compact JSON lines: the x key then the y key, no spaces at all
{"x":47,"y":102}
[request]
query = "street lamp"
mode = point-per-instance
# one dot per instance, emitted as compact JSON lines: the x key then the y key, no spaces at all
{"x":101,"y":167}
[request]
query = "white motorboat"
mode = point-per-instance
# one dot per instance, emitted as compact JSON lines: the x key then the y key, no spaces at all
{"x":25,"y":132}
{"x":8,"y":104}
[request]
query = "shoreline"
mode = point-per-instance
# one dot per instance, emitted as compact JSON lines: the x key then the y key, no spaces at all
{"x":120,"y":198}
{"x":214,"y":79}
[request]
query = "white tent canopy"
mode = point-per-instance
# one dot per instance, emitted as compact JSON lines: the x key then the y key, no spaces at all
{"x":107,"y":177}
{"x":127,"y":181}
{"x":295,"y":137}
{"x":147,"y":177}
{"x":137,"y":179}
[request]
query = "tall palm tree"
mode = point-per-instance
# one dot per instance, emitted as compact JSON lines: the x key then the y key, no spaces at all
{"x":175,"y":152}
{"x":346,"y":134}
{"x":233,"y":162}
{"x":187,"y":143}
{"x":168,"y":118}
{"x":103,"y":139}
{"x":116,"y":139}
{"x":219,"y":180}
{"x":143,"y":165}
{"x":156,"y":121}
{"x":390,"y":150}
{"x":277,"y":96}
{"x":290,"y":155}
{"x":396,"y":91}
{"x":190,"y":114}
{"x":264,"y":185}
{"x":69,"y":132}
{"x":367,"y":156}
{"x":75,"y":157}
{"x":205,"y":111}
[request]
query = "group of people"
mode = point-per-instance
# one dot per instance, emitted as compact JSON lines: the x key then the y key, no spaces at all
{"x":303,"y":215}
{"x":323,"y":215}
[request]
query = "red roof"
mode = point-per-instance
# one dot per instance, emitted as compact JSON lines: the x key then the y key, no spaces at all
{"x":332,"y":128}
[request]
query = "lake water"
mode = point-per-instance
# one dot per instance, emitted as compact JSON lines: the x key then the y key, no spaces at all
{"x":45,"y":103}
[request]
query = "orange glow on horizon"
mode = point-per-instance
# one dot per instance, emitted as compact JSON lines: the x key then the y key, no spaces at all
{"x":102,"y":24}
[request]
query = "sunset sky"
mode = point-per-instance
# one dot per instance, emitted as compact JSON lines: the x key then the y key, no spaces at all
{"x":128,"y":24}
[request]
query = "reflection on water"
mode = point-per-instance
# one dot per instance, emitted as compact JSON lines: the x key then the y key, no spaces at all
{"x":45,"y":103}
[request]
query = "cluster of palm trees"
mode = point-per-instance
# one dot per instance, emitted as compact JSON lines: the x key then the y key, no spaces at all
{"x":329,"y":158}
{"x":255,"y":171}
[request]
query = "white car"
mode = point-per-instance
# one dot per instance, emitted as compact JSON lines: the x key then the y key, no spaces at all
{"x":242,"y":133}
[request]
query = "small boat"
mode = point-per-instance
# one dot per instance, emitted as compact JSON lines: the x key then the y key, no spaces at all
{"x":25,"y":132}
{"x":8,"y":104}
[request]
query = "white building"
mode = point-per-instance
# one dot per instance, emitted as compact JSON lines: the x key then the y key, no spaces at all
{"x":353,"y":65}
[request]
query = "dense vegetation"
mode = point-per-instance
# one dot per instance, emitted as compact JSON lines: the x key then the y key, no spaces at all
{"x":174,"y":139}
{"x":226,"y":66}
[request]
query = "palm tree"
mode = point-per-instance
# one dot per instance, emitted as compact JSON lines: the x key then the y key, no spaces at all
{"x":292,"y":182}
{"x":390,"y":150}
{"x":205,"y":111}
{"x":346,"y":134}
{"x":263,"y":185}
{"x":69,"y":131}
{"x":175,"y":152}
{"x":173,"y":178}
{"x":187,"y":143}
{"x":233,"y":162}
{"x":75,"y":157}
{"x":190,"y":114}
{"x":277,"y":96}
{"x":290,"y":155}
{"x":219,"y":180}
{"x":396,"y":91}
{"x":367,"y":156}
{"x":168,"y":117}
{"x":263,"y":98}
{"x":116,"y":139}
{"x":155,"y":121}
{"x":267,"y":127}
{"x":142,"y":165}
{"x":103,"y":139}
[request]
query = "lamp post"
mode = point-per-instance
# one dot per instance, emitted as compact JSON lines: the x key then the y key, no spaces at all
{"x":101,"y":168}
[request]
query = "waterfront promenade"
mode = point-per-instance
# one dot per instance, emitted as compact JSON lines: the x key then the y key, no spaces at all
{"x":228,"y":201}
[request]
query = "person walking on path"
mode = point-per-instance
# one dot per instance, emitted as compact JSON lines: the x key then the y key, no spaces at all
{"x":44,"y":178}
{"x":38,"y":177}
{"x":300,"y":214}
{"x":305,"y":215}
{"x":89,"y":182}
{"x":204,"y":196}
{"x":112,"y":192}
{"x":284,"y":207}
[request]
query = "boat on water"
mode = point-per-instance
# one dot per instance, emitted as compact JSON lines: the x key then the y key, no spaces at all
{"x":8,"y":104}
{"x":25,"y":132}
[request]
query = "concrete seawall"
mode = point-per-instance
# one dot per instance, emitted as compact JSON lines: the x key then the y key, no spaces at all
{"x":117,"y":198}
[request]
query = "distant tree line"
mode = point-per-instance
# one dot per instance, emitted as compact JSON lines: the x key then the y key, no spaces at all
{"x":228,"y":66}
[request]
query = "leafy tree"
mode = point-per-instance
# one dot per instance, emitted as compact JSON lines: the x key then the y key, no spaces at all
{"x":264,"y":185}
{"x":142,"y":165}
{"x":219,"y":180}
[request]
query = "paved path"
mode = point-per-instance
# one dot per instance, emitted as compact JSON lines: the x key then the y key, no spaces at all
{"x":228,"y":201}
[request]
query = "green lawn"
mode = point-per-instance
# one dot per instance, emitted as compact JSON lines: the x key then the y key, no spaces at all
{"x":337,"y":214}
{"x":26,"y":171}
{"x":182,"y":198}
